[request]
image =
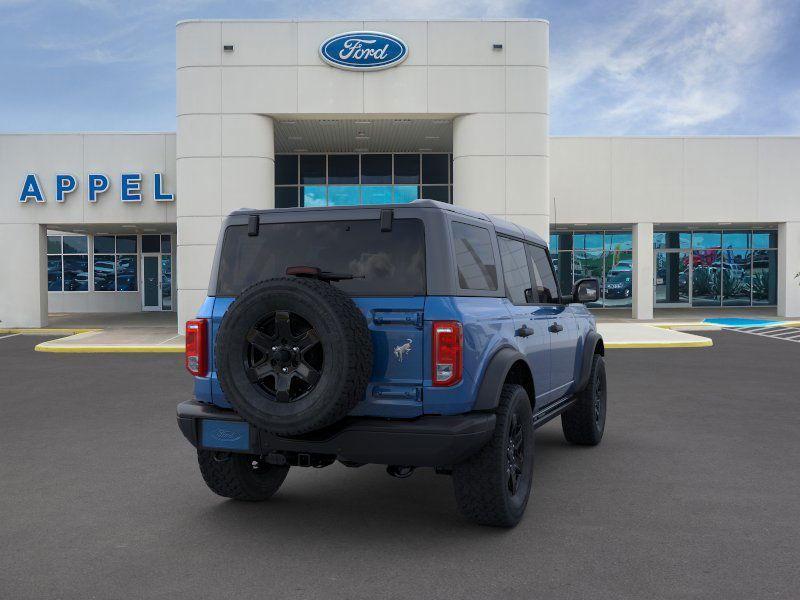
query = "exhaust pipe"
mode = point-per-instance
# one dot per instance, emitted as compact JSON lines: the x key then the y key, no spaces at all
{"x":400,"y":471}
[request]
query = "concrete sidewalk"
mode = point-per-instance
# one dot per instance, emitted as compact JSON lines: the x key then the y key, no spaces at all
{"x":641,"y":335}
{"x":108,"y":332}
{"x":129,"y":339}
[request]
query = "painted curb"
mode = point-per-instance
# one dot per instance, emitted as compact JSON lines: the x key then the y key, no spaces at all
{"x":44,"y":347}
{"x":704,"y":343}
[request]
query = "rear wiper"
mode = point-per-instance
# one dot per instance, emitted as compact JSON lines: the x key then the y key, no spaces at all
{"x":317,"y":273}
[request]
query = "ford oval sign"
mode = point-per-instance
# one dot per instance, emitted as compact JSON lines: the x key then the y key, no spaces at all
{"x":363,"y":50}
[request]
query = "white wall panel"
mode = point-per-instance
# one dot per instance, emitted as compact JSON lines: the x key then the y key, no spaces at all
{"x":527,"y":183}
{"x":247,"y":182}
{"x":403,"y":89}
{"x":527,"y":90}
{"x":199,"y":136}
{"x":580,"y":180}
{"x":720,"y":179}
{"x":170,"y":177}
{"x":198,"y":230}
{"x":260,"y":43}
{"x":200,"y":182}
{"x":647,"y":180}
{"x":779,"y":179}
{"x":527,"y":43}
{"x":676,"y":180}
{"x":23,"y":269}
{"x":526,"y":134}
{"x":466,"y":42}
{"x":479,"y":183}
{"x":480,"y":134}
{"x":198,"y":44}
{"x":259,"y":90}
{"x":92,"y":302}
{"x":199,"y":90}
{"x":195,"y":265}
{"x":466,"y":89}
{"x":328,"y":90}
{"x":248,"y":135}
{"x":788,"y":266}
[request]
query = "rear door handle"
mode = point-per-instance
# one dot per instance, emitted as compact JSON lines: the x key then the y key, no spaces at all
{"x":523,"y":331}
{"x":555,"y":328}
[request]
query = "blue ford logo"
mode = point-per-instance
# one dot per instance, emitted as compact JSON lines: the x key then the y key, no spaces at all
{"x":225,"y":435}
{"x":363,"y":50}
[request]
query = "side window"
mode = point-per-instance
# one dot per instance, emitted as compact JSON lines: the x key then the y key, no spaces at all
{"x":515,"y":271}
{"x":543,"y":273}
{"x":474,"y":257}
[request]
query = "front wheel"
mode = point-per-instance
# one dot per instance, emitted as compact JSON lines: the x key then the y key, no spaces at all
{"x":492,"y":487}
{"x":584,"y":422}
{"x":240,"y":476}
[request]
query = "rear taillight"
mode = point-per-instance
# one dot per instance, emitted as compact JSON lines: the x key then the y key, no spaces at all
{"x":197,"y":347}
{"x":447,"y":353}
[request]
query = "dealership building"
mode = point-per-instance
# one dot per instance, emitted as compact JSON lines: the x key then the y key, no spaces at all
{"x":286,"y":113}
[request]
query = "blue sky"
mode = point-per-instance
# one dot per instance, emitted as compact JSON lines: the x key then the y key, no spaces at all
{"x":617,"y":68}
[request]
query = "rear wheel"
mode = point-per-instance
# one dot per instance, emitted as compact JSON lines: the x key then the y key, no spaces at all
{"x":584,"y":422}
{"x":492,"y":487}
{"x":240,"y":476}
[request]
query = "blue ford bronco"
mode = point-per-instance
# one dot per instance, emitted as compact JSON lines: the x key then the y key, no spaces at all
{"x":413,"y":335}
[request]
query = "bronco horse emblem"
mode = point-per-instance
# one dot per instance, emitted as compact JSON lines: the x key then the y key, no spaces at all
{"x":403,"y":349}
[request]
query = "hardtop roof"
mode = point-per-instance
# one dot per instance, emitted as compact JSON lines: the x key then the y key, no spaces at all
{"x":500,"y":225}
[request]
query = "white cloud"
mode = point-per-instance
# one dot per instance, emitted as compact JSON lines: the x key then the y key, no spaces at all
{"x":408,"y":9}
{"x":670,"y":68}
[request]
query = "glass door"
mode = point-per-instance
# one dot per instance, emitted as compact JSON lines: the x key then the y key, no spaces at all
{"x":672,"y":271}
{"x":151,"y":282}
{"x":166,"y":282}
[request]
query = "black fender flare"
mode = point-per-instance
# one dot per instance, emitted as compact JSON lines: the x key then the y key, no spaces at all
{"x":493,"y":377}
{"x":591,"y":346}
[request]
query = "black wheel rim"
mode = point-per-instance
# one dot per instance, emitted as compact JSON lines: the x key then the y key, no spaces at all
{"x":599,"y":398}
{"x":283,"y":356}
{"x":515,"y":453}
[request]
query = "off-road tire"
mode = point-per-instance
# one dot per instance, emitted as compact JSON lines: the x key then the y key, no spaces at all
{"x":481,"y":482}
{"x":233,"y":476}
{"x":583,"y":423}
{"x":345,"y":341}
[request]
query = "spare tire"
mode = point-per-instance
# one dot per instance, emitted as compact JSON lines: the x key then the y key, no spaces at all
{"x":293,"y":355}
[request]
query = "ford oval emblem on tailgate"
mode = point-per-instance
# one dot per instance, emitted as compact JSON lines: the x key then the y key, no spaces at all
{"x":363,"y":50}
{"x":226,"y":435}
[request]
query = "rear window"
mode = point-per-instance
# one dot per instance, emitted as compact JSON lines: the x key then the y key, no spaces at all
{"x":391,"y":263}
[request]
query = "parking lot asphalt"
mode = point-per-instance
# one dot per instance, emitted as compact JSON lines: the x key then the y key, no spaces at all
{"x":694,"y":493}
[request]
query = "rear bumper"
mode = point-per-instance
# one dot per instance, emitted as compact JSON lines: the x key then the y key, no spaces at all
{"x":428,"y":441}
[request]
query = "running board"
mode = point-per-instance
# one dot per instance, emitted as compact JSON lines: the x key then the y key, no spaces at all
{"x":552,"y":410}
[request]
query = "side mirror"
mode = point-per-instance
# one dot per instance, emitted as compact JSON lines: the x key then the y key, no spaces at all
{"x":586,"y":290}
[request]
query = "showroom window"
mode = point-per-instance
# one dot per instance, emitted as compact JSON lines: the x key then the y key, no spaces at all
{"x":606,"y":255}
{"x":115,"y":263}
{"x":716,"y":267}
{"x":67,"y":263}
{"x":361,"y":179}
